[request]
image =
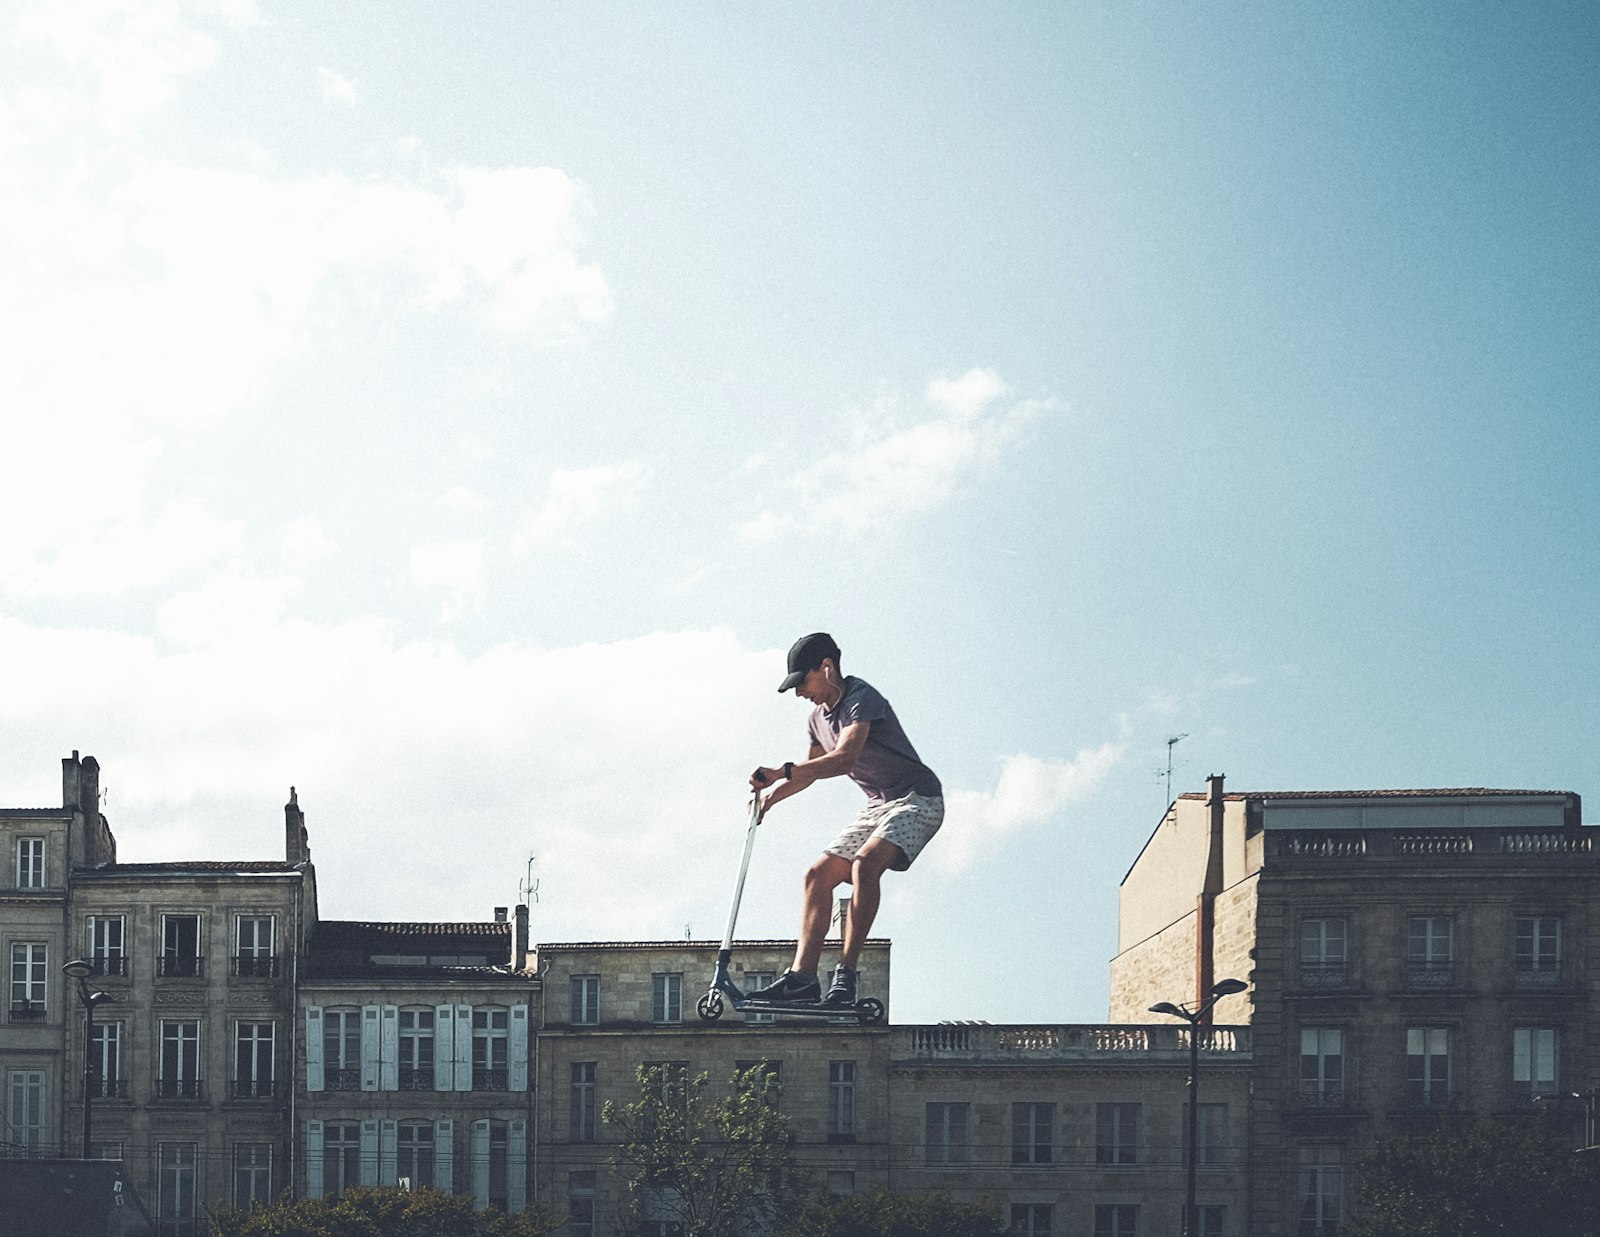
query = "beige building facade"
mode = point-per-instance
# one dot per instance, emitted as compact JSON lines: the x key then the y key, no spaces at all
{"x":1415,"y":957}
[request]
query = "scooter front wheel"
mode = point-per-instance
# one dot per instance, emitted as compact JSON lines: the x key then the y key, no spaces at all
{"x":869,"y":1011}
{"x":710,"y":1007}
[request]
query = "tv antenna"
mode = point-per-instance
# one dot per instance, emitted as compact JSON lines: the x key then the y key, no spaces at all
{"x":528,"y":890}
{"x":1171,"y":743}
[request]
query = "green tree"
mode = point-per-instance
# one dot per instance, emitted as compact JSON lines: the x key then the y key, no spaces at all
{"x":1482,"y":1179}
{"x":384,"y":1212}
{"x":892,"y":1215}
{"x":708,"y":1164}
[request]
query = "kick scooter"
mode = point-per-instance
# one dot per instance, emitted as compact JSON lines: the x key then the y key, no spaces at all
{"x":724,"y":991}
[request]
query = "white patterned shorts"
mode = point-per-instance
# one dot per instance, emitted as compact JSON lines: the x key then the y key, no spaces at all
{"x":908,"y":822}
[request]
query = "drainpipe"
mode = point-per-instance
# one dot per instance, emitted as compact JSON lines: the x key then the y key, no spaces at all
{"x":1205,"y":904}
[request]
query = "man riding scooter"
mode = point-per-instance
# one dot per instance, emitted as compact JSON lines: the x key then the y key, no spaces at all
{"x":854,"y":733}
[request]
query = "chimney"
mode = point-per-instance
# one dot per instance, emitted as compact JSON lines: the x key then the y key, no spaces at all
{"x":519,"y":939}
{"x":297,"y":845}
{"x":89,"y":788}
{"x":70,"y":772}
{"x":499,"y":914}
{"x":1205,"y":964}
{"x":841,"y":916}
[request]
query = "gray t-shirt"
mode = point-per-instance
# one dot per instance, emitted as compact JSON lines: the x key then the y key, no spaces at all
{"x":888,"y":767}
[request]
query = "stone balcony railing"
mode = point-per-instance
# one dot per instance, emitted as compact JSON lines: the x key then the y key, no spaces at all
{"x":982,"y":1042}
{"x":1294,"y":846}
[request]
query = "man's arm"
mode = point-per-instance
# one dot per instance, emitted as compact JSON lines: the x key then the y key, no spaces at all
{"x":818,"y":765}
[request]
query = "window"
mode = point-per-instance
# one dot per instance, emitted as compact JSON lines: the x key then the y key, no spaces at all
{"x":1116,"y":1220}
{"x":341,"y":1049}
{"x":490,"y":1046}
{"x":754,"y":981}
{"x":416,"y":1050}
{"x":175,"y":1177}
{"x":341,"y":1157}
{"x":946,"y":1134}
{"x":29,"y":969}
{"x":1538,"y":950}
{"x":1428,"y":1066}
{"x":1321,"y":1191}
{"x":180,"y":945}
{"x":1116,"y":1137}
{"x":1209,"y":1220}
{"x":106,"y":955}
{"x":765,"y":1078}
{"x":30,"y":863}
{"x":582,"y":1128}
{"x":1430,"y":951}
{"x":1322,"y":1066}
{"x":669,"y":1079}
{"x":497,"y":1165}
{"x":666,"y":997}
{"x":1211,"y":1136}
{"x":1324,"y":958}
{"x":841,"y":1101}
{"x":105,"y":1061}
{"x":1031,"y":1219}
{"x":585,"y":991}
{"x":254,"y":947}
{"x":1033,"y":1134}
{"x":180,"y":1059}
{"x":252,"y":1061}
{"x":25,"y":1108}
{"x":252,"y":1175}
{"x":414,"y":1158}
{"x":580,"y":1204}
{"x":1533,"y":1062}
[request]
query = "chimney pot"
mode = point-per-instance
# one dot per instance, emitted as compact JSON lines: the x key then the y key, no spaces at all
{"x":499,"y":914}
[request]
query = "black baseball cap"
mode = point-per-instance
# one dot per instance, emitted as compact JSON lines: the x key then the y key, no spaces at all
{"x":805,"y":655}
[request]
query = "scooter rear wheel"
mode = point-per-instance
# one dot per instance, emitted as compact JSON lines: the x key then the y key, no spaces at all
{"x":710,"y":1007}
{"x":869,"y":1011}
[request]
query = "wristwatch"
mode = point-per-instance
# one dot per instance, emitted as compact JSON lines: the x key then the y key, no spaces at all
{"x":788,"y":769}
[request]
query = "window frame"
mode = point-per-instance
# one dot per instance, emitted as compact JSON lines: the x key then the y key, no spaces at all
{"x":30,"y":981}
{"x":666,"y":998}
{"x":1114,"y":1145}
{"x":1526,"y":1057}
{"x":841,"y":1101}
{"x":951,"y":1121}
{"x":36,"y":873}
{"x":583,"y":1107}
{"x":171,"y":961}
{"x":1423,"y":1088}
{"x":1028,"y":1118}
{"x":1323,"y":970}
{"x":584,"y":995}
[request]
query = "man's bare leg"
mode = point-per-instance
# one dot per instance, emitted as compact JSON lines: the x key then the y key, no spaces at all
{"x":871,"y":862}
{"x":816,"y":910}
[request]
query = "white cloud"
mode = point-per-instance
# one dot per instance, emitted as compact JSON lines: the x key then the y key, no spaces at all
{"x":462,"y":499}
{"x":305,"y":541}
{"x":454,"y":568}
{"x":428,"y":774}
{"x":336,"y":88}
{"x":894,"y":467}
{"x":1030,"y":792}
{"x":147,"y":300}
{"x":579,"y":496}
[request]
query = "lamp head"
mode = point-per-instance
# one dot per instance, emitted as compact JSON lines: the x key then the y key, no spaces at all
{"x":1227,"y":987}
{"x":1167,"y":1007}
{"x":78,"y":968}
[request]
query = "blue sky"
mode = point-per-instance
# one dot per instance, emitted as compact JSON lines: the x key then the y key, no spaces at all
{"x":456,"y":412}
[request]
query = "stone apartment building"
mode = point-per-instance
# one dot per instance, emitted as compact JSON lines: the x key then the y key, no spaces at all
{"x":247,"y":1047}
{"x":1416,"y":956}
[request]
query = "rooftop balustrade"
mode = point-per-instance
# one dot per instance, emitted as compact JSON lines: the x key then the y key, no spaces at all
{"x":982,"y":1042}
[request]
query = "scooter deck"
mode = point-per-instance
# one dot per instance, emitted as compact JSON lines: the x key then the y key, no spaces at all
{"x":865,"y":1012}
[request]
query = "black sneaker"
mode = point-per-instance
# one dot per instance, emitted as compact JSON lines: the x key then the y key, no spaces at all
{"x":842,"y":991}
{"x":790,"y":986}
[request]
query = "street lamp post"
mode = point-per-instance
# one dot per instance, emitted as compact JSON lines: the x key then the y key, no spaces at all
{"x":80,"y":970}
{"x":1225,"y":987}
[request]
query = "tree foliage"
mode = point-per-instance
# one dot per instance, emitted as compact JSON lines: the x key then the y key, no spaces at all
{"x":884,"y":1214}
{"x":1484,"y":1179}
{"x":386,"y":1212}
{"x":713,"y":1164}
